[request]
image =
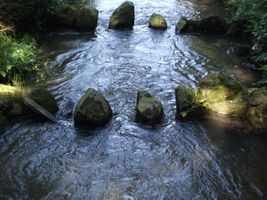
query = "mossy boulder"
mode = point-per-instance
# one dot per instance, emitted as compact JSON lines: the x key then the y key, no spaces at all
{"x":257,"y":112}
{"x":123,"y":16}
{"x":148,"y":109}
{"x":81,"y":18}
{"x":11,"y":102}
{"x":92,"y":110}
{"x":222,"y":99}
{"x":87,"y":19}
{"x":208,"y":25}
{"x":44,"y":98}
{"x":157,"y":22}
{"x":66,"y":17}
{"x":223,"y":95}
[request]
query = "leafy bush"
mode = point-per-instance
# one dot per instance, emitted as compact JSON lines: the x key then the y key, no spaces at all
{"x":19,"y":58}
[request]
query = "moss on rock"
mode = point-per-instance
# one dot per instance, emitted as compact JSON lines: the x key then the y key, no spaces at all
{"x":208,"y":25}
{"x":157,"y":22}
{"x":92,"y":110}
{"x":11,"y":102}
{"x":44,"y":98}
{"x":148,"y":109}
{"x":87,"y":19}
{"x":123,"y":16}
{"x":223,"y":95}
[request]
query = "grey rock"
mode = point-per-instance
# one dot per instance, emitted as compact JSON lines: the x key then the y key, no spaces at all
{"x":123,"y":16}
{"x":92,"y":110}
{"x":148,"y":109}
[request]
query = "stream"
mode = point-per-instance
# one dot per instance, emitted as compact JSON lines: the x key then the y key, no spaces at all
{"x":124,"y":159}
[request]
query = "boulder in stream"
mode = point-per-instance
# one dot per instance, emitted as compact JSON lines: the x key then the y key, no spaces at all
{"x":208,"y":25}
{"x":123,"y":16}
{"x":65,"y":17}
{"x":157,"y":22}
{"x":84,"y":18}
{"x":44,"y":98}
{"x":92,"y":110}
{"x":87,"y":19}
{"x":148,"y":109}
{"x":223,"y":100}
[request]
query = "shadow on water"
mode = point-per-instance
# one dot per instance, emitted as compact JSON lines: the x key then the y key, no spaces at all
{"x":126,"y":160}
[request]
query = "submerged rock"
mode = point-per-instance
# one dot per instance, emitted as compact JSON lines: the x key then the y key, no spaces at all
{"x":209,"y":25}
{"x":87,"y":19}
{"x":148,"y":109}
{"x":123,"y":16}
{"x":92,"y":110}
{"x":157,"y":22}
{"x":44,"y":98}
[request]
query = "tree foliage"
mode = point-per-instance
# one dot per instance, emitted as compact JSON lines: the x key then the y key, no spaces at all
{"x":253,"y":15}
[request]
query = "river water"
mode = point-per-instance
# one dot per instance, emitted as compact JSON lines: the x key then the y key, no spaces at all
{"x":126,"y":160}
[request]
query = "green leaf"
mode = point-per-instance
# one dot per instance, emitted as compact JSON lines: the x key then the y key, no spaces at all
{"x":184,"y":114}
{"x":3,"y":73}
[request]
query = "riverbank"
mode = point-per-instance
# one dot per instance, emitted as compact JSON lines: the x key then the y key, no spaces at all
{"x":250,"y":17}
{"x":21,"y":59}
{"x":22,"y":25}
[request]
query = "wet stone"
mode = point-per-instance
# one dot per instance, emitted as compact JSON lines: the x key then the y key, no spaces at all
{"x":123,"y":16}
{"x":157,"y":22}
{"x":93,"y":110}
{"x":148,"y":109}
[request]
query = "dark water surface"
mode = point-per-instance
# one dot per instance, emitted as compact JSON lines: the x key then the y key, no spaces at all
{"x":125,"y":160}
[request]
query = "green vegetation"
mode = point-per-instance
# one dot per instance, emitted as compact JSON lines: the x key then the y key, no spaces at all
{"x":252,"y":14}
{"x":20,"y":57}
{"x":188,"y":101}
{"x":191,"y":98}
{"x":20,"y":60}
{"x":19,"y":20}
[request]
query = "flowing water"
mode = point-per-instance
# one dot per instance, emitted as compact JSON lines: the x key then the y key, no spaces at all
{"x":126,"y":160}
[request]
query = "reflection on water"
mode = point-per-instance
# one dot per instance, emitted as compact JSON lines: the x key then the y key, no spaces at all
{"x":125,"y":160}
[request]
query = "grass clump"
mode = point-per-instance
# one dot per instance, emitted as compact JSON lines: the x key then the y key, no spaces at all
{"x":20,"y":60}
